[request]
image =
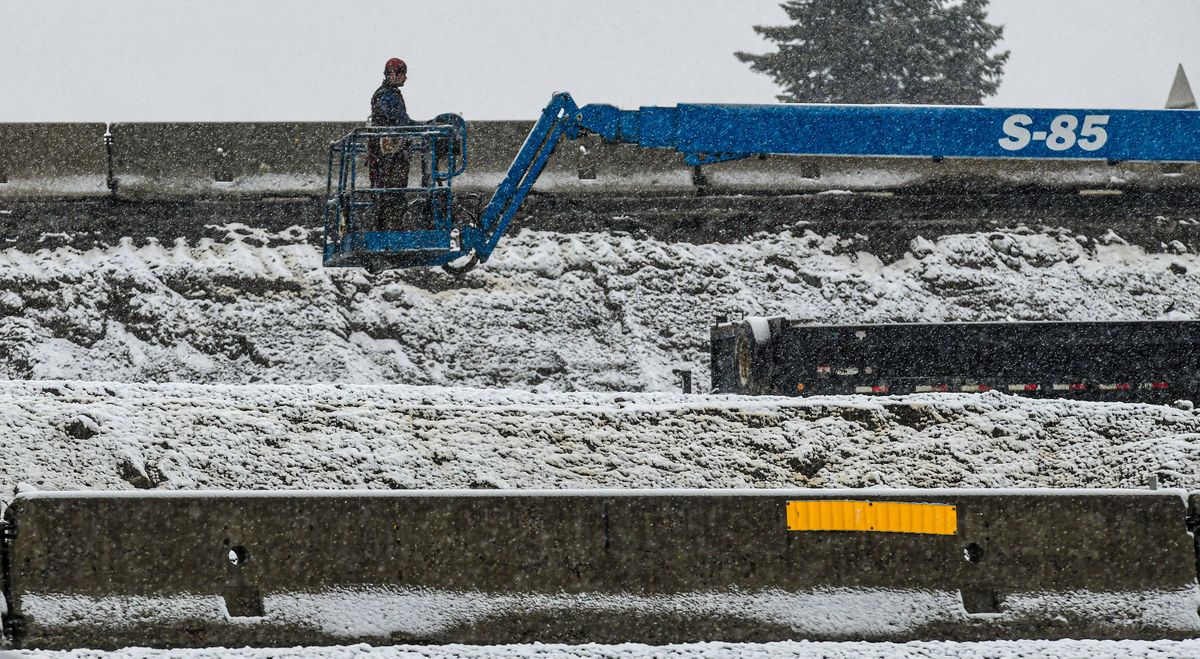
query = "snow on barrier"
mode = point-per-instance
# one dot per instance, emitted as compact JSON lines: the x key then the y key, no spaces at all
{"x":819,"y":173}
{"x":578,"y":167}
{"x":248,"y":160}
{"x":630,"y":169}
{"x":52,"y":160}
{"x":185,"y":160}
{"x":254,"y":160}
{"x":284,"y":568}
{"x":491,"y":147}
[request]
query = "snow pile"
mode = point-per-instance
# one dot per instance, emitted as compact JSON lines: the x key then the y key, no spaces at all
{"x":551,"y":312}
{"x":385,"y":613}
{"x":791,"y":649}
{"x":259,"y":329}
{"x":81,"y":435}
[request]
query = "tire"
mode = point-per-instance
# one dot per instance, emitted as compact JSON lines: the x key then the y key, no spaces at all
{"x":753,"y":353}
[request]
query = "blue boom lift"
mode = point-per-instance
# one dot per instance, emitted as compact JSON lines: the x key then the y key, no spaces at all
{"x":456,"y":235}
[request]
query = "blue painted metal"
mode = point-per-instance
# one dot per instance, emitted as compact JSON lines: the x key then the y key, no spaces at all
{"x":351,"y":240}
{"x":706,"y":134}
{"x":705,"y":131}
{"x":556,"y":120}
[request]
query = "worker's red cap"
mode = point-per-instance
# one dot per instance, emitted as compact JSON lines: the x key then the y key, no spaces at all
{"x":395,"y":65}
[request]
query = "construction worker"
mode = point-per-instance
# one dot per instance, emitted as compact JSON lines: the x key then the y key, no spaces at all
{"x":387,"y":158}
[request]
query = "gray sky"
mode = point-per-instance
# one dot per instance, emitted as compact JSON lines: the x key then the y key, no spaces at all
{"x":236,"y":60}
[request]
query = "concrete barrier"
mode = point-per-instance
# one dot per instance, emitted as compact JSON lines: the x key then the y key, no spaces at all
{"x":207,"y":160}
{"x":817,"y":174}
{"x":255,"y":160}
{"x":630,"y":169}
{"x":491,"y":147}
{"x":39,"y":161}
{"x":284,"y":568}
{"x":578,"y":167}
{"x":588,"y":166}
{"x":187,"y":160}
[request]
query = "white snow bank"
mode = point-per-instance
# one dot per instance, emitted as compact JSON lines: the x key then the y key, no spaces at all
{"x":93,"y":435}
{"x":379,"y":612}
{"x":1069,"y":649}
{"x":549,"y":312}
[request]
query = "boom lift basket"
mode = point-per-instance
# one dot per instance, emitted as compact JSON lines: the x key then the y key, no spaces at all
{"x":381,"y":228}
{"x":706,"y":134}
{"x":456,"y":232}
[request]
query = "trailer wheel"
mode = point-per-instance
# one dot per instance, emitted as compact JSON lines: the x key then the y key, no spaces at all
{"x":752,"y":350}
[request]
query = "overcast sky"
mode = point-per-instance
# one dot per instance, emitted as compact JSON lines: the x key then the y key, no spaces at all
{"x":237,"y":60}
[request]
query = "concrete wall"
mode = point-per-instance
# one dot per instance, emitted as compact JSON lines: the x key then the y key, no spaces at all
{"x":491,"y":147}
{"x":184,"y":160}
{"x":281,"y":159}
{"x":52,"y":160}
{"x":253,"y":160}
{"x":815,"y":174}
{"x":163,"y":569}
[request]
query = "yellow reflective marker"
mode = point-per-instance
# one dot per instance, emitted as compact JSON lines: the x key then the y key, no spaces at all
{"x":880,"y":516}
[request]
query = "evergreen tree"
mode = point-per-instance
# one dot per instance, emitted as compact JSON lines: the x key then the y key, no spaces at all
{"x":883,"y":51}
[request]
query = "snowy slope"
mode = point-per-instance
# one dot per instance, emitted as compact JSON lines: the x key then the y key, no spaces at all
{"x":71,"y":435}
{"x":551,"y":312}
{"x":92,"y":341}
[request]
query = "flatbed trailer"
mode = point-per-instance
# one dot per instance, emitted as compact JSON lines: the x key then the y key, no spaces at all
{"x":1129,"y":361}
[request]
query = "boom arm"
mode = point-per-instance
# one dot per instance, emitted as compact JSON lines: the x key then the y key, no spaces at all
{"x":706,"y":133}
{"x":557,"y":119}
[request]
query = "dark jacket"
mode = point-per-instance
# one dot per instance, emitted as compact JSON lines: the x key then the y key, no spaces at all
{"x":387,"y":108}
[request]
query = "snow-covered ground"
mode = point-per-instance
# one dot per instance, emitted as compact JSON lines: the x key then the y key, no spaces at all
{"x":550,"y":312}
{"x":82,"y":435}
{"x":798,"y":650}
{"x":240,"y":363}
